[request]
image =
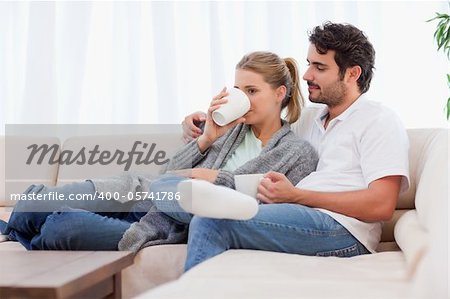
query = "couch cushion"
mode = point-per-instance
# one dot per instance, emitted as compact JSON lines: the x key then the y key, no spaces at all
{"x":15,"y":174}
{"x":387,"y":234}
{"x":255,"y":274}
{"x":8,"y":245}
{"x":153,"y":266}
{"x":288,"y":288}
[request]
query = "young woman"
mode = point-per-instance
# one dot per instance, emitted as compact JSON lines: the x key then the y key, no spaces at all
{"x":259,"y":142}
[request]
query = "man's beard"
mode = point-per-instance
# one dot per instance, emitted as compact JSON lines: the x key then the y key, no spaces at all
{"x":332,"y":95}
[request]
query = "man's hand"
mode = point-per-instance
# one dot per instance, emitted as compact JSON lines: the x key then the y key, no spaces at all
{"x":205,"y":174}
{"x":191,"y":125}
{"x":275,"y":188}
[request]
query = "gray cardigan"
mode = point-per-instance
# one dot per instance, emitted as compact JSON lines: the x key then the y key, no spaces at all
{"x":284,"y":153}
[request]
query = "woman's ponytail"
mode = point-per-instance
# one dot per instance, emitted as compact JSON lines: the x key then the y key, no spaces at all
{"x":294,"y":100}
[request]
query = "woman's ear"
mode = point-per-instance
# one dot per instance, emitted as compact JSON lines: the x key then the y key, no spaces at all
{"x":281,"y":93}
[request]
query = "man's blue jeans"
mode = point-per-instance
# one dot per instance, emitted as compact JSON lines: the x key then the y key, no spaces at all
{"x":288,"y":228}
{"x":71,"y":227}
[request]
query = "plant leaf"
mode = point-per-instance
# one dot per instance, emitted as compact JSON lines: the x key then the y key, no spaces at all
{"x":442,"y":38}
{"x":448,"y":108}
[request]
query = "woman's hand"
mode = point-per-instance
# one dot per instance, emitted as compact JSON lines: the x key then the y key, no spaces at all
{"x":205,"y":174}
{"x":212,"y":131}
{"x":276,"y":188}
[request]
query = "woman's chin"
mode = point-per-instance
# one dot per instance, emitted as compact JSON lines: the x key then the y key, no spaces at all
{"x":248,"y":120}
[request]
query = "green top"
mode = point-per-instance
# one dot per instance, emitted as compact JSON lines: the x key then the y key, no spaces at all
{"x":249,"y":149}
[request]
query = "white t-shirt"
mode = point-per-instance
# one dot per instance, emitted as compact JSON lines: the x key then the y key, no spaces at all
{"x":249,"y":149}
{"x":366,"y":142}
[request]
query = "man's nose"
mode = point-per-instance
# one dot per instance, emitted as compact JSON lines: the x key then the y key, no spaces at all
{"x":307,"y":76}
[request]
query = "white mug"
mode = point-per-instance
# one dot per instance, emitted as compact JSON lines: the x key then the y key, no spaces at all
{"x":248,"y":183}
{"x":238,"y":104}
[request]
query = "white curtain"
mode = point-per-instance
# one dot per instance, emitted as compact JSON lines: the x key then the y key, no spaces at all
{"x":155,"y":62}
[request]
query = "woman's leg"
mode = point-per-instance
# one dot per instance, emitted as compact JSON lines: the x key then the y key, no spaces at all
{"x":286,"y":228}
{"x":75,"y":229}
{"x":165,"y":189}
{"x":29,"y":215}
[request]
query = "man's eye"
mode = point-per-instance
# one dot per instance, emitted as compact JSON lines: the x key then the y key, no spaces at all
{"x":251,"y":91}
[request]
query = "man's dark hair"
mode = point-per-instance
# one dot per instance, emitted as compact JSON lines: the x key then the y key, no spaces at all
{"x":351,"y":46}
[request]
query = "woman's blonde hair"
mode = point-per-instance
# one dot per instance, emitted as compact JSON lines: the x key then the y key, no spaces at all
{"x":277,"y":72}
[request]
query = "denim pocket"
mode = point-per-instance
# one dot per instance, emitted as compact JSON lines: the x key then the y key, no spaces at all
{"x":344,"y":252}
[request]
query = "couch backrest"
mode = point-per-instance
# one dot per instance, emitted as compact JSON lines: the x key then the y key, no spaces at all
{"x":422,"y":142}
{"x":432,"y":177}
{"x":167,"y":142}
{"x":421,"y":153}
{"x":15,"y":174}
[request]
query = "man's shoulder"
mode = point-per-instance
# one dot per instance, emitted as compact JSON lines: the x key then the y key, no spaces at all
{"x":374,"y":106}
{"x":376,"y":119}
{"x":373,"y":111}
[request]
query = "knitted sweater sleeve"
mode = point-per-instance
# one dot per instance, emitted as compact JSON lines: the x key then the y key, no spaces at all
{"x":303,"y":163}
{"x":187,"y":157}
{"x":225,"y":178}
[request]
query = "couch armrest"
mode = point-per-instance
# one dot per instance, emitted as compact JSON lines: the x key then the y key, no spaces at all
{"x":412,"y":238}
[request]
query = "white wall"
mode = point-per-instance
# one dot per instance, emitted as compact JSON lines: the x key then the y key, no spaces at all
{"x":154,"y":62}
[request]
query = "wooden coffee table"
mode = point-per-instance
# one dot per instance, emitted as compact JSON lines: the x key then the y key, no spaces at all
{"x":62,"y":274}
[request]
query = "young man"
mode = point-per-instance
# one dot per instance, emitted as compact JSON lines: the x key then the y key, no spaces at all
{"x":363,"y":164}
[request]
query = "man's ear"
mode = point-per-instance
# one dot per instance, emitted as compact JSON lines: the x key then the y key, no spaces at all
{"x":353,"y":73}
{"x":281,"y":93}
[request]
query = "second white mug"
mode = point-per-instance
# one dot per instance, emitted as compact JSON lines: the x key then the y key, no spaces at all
{"x":248,"y":183}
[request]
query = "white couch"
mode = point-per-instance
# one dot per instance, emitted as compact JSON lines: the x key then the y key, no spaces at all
{"x":413,"y":248}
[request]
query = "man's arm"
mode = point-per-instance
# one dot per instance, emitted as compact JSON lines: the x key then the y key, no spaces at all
{"x":376,"y":203}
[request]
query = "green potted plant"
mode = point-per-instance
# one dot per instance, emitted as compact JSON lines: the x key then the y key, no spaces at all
{"x":442,"y":37}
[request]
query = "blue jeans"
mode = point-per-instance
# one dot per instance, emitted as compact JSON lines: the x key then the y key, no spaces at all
{"x":71,"y":227}
{"x":288,"y":228}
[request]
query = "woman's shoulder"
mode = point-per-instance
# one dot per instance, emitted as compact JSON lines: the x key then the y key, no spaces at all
{"x":293,"y":139}
{"x":296,"y":144}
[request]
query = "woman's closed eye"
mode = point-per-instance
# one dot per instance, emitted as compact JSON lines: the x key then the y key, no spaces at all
{"x":251,"y":91}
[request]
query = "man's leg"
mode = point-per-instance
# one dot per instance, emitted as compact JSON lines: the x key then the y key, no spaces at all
{"x":288,"y":228}
{"x":74,"y":229}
